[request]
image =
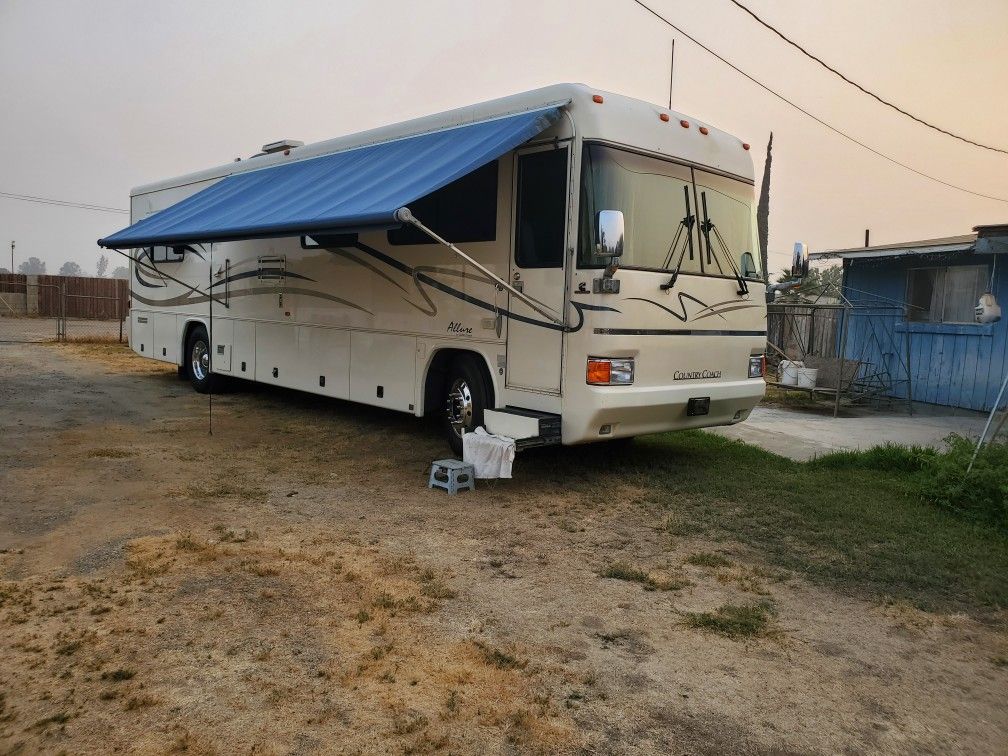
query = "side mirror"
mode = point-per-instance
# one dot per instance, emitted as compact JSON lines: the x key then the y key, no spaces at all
{"x":799,"y":262}
{"x":610,"y":235}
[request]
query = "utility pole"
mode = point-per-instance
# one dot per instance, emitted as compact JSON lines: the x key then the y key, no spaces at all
{"x":12,"y":256}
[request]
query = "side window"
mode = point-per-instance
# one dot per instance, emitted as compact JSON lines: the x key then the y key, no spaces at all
{"x":542,"y":205}
{"x":463,"y":211}
{"x":167,"y":254}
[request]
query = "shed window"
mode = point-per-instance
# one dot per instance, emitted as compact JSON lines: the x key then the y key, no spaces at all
{"x":945,"y":295}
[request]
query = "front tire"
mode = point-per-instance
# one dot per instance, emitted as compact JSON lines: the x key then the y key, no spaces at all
{"x":198,"y":361}
{"x":466,"y":395}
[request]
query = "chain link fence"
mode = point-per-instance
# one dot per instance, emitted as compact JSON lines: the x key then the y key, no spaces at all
{"x":62,"y":308}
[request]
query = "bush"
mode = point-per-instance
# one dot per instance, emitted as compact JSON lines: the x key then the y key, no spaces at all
{"x":983,"y":494}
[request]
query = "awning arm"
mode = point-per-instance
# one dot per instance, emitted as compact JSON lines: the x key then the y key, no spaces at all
{"x":403,"y":215}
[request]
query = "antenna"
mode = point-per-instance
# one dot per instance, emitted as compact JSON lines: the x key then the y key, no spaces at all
{"x":671,"y":77}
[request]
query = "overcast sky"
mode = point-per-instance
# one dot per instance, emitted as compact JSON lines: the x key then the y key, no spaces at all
{"x":101,"y":95}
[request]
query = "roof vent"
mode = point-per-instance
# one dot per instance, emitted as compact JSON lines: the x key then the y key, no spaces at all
{"x":283,"y":144}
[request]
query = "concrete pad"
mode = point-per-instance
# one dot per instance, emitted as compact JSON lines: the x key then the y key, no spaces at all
{"x":804,"y":435}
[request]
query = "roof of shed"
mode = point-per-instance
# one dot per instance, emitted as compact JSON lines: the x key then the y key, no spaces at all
{"x":962,"y":243}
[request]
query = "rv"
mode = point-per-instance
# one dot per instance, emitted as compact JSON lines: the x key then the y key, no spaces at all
{"x":565,"y":266}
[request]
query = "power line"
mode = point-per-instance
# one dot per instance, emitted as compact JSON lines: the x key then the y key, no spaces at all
{"x":62,"y":203}
{"x":868,"y":92}
{"x":815,"y":118}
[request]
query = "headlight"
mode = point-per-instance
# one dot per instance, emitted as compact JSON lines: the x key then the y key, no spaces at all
{"x":757,"y":366}
{"x":608,"y":371}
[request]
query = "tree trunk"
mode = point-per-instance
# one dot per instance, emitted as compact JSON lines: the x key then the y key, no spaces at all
{"x":763,"y":211}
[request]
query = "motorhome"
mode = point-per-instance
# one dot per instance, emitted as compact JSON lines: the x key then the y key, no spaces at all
{"x":565,"y":265}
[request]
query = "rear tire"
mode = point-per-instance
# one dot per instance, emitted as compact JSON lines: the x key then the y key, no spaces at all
{"x":197,"y":361}
{"x":464,"y":398}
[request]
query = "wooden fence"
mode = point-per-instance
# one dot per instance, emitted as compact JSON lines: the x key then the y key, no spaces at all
{"x":70,"y":296}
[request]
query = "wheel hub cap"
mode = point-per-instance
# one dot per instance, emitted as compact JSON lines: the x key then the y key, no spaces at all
{"x":200,"y":360}
{"x":460,"y":406}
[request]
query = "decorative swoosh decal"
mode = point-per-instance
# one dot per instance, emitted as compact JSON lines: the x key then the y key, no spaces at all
{"x":254,"y":274}
{"x":726,"y":309}
{"x":682,"y":296}
{"x":199,"y":299}
{"x":421,"y":279}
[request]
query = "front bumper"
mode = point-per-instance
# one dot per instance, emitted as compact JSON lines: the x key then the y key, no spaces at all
{"x":639,"y":410}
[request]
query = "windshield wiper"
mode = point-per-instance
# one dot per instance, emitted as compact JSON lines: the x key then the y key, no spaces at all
{"x":707,"y":227}
{"x":686,"y":224}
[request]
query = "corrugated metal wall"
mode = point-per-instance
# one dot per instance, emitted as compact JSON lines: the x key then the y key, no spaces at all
{"x":958,"y":365}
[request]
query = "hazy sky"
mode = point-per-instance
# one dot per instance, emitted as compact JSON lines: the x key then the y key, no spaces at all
{"x":102,"y":95}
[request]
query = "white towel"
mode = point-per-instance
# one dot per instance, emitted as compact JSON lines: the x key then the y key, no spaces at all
{"x":491,"y":456}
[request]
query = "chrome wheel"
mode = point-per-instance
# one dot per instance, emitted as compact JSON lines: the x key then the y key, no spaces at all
{"x":460,"y":406}
{"x":200,"y":360}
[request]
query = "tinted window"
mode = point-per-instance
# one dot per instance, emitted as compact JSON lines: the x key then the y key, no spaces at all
{"x":463,"y":211}
{"x":542,"y":191}
{"x":166,"y":254}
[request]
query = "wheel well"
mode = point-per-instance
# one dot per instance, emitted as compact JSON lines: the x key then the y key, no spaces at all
{"x":188,"y":329}
{"x":437,"y":373}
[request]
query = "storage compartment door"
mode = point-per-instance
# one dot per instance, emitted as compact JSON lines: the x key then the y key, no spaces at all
{"x":223,"y":339}
{"x":325,"y":356}
{"x":141,"y":333}
{"x":383,"y":370}
{"x":243,"y":356}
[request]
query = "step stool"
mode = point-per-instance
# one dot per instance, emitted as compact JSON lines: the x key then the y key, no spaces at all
{"x":453,"y":475}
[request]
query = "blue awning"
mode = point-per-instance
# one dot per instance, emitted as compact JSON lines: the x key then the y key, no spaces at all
{"x":355,"y":189}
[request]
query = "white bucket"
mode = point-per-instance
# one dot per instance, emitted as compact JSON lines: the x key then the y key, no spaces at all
{"x":787,"y":372}
{"x":807,"y":377}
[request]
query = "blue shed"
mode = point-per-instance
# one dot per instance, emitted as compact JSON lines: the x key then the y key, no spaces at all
{"x":923,"y":297}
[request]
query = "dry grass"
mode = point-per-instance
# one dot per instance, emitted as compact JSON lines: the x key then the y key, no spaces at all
{"x":118,"y":358}
{"x":357,"y":659}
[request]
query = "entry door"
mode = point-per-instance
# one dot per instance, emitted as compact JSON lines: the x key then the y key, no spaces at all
{"x":539,"y":241}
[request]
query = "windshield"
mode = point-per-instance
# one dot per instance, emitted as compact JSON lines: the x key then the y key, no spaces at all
{"x":662,"y":205}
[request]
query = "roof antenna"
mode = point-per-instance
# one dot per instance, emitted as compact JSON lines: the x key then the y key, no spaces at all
{"x":671,"y":75}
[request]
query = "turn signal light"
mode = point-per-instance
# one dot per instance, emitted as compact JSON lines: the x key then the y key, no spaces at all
{"x":608,"y":371}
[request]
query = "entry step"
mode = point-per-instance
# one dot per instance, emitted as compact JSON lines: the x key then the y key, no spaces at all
{"x":527,"y":427}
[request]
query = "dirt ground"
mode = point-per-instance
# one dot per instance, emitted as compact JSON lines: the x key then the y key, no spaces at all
{"x":290,"y":585}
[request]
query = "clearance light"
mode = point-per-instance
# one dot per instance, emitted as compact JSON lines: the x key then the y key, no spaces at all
{"x":684,"y":124}
{"x":664,"y":117}
{"x":608,"y":371}
{"x":757,"y":366}
{"x":597,"y":98}
{"x":745,"y":145}
{"x":704,"y":130}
